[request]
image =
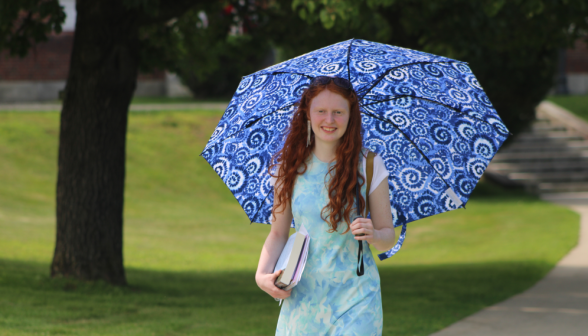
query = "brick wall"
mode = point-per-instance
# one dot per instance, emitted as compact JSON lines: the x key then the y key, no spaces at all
{"x":48,"y":61}
{"x":577,"y":58}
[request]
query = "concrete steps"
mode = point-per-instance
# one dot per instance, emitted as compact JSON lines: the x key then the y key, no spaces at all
{"x":570,"y":198}
{"x":549,"y":177}
{"x":548,"y":136}
{"x":545,"y":146}
{"x":563,"y":187}
{"x":550,"y":158}
{"x":547,"y":166}
{"x":541,"y":156}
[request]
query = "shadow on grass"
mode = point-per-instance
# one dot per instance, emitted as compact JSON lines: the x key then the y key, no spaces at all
{"x":417,"y":300}
{"x":487,"y":190}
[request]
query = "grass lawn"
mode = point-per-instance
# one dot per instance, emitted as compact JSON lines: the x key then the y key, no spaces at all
{"x":576,"y":104}
{"x":191,"y":255}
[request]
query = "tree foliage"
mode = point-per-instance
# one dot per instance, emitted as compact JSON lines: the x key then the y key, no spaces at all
{"x":221,"y":43}
{"x":26,"y":22}
{"x":211,"y":46}
{"x":510,"y":45}
{"x":238,"y":38}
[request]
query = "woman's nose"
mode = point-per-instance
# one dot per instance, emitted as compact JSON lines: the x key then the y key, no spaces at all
{"x":330,"y":117}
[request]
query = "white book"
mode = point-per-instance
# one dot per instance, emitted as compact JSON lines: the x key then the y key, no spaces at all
{"x":292,"y":259}
{"x":302,"y":262}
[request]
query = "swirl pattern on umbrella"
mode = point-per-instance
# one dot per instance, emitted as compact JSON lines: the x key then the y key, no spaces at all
{"x":426,"y":115}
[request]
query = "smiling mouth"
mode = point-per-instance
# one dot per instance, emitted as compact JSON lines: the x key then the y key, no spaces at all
{"x":328,"y":129}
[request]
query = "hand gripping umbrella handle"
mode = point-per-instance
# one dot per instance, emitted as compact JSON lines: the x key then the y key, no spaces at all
{"x":369,"y":172}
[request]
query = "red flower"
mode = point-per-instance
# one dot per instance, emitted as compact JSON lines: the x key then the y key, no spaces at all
{"x":228,"y":9}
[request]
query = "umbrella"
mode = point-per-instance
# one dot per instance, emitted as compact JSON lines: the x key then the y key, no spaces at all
{"x":426,"y":115}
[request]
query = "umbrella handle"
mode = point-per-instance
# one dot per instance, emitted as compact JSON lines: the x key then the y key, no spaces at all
{"x":396,"y":247}
{"x":359,"y":270}
{"x":357,"y":207}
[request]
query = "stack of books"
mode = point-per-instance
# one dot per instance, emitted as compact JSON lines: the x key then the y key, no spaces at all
{"x":293,"y":259}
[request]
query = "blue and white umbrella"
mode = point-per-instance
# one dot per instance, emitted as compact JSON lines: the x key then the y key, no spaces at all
{"x":426,"y":115}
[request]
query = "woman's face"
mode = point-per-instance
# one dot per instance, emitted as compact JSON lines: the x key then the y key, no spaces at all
{"x":329,"y":116}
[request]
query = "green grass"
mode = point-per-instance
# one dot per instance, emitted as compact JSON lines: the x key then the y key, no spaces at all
{"x":576,"y":104}
{"x":191,"y":255}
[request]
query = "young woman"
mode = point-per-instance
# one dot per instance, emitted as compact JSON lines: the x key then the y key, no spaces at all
{"x":319,"y":166}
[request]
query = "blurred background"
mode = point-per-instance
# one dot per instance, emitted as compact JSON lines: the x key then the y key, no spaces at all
{"x":190,"y":253}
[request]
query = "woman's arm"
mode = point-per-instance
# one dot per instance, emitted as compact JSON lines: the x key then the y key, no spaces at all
{"x":379,"y":230}
{"x":272,"y":248}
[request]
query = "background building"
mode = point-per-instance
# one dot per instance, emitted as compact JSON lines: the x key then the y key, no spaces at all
{"x":42,"y":74}
{"x":577,"y":68}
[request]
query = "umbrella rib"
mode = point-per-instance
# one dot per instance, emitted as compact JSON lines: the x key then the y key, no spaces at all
{"x":348,"y":56}
{"x":292,"y":73}
{"x":250,"y":220}
{"x":412,"y":142}
{"x":249,"y":125}
{"x":379,"y":79}
{"x":256,"y":120}
{"x":430,"y":100}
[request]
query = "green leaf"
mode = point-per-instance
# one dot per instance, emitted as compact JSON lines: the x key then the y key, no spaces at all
{"x":492,"y":7}
{"x":296,"y":3}
{"x":311,"y":6}
{"x":26,"y":22}
{"x":302,"y":13}
{"x":328,"y":20}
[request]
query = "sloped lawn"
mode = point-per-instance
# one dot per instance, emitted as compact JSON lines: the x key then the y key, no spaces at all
{"x":191,"y":254}
{"x":576,"y":104}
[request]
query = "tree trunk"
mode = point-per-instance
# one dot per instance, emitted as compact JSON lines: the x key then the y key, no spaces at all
{"x":92,"y":140}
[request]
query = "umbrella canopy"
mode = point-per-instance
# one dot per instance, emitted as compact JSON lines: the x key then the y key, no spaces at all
{"x":426,"y":115}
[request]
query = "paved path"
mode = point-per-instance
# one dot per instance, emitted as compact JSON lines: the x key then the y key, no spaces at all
{"x":556,"y":305}
{"x":134,"y":107}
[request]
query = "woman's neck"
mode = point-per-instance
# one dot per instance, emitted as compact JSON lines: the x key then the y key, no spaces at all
{"x":325,"y":152}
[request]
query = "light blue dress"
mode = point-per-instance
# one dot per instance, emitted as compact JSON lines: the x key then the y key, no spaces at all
{"x":330,"y":299}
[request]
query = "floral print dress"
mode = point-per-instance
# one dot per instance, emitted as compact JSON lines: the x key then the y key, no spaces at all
{"x":330,"y":299}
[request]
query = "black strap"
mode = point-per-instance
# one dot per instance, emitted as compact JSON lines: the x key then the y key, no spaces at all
{"x":360,"y":250}
{"x":360,"y":257}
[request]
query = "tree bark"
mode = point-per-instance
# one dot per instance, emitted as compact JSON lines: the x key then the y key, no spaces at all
{"x":92,"y":141}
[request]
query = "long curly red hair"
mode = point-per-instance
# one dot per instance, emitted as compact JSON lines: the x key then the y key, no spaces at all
{"x":291,"y":159}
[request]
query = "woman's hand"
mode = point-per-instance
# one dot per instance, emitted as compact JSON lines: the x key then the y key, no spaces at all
{"x":379,"y":230}
{"x":267,"y":282}
{"x":365,"y":226}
